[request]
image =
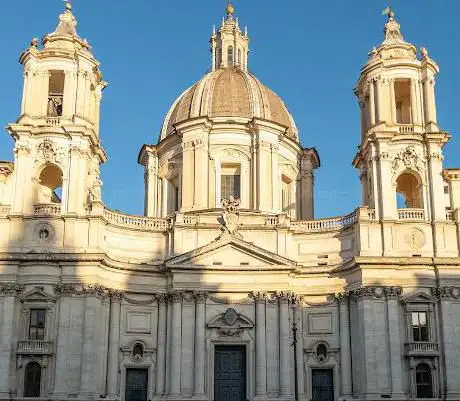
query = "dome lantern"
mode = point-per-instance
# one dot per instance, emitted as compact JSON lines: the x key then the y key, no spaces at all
{"x":229,"y":46}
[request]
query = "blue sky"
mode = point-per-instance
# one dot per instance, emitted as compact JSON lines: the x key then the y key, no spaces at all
{"x":309,"y":52}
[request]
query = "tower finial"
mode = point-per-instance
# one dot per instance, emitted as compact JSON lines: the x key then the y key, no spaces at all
{"x":390,"y":13}
{"x":230,"y":9}
{"x":68,"y":5}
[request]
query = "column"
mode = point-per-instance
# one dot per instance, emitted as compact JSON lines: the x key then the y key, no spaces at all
{"x":413,"y":102}
{"x":60,"y":387}
{"x":419,"y":100}
{"x":9,"y":291}
{"x":307,"y":182}
{"x":380,"y":106}
{"x":22,"y":153}
{"x":345,"y":351}
{"x":200,"y":326}
{"x":114,"y":344}
{"x":188,"y":175}
{"x":90,"y":354}
{"x":394,"y":333}
{"x":176,"y":346}
{"x":392,"y":101}
{"x":276,"y":179}
{"x":201,"y":170}
{"x":265,"y":176}
{"x":285,"y":360}
{"x":164,"y":203}
{"x":68,"y":105}
{"x":43,"y":93}
{"x":261,"y":346}
{"x":25,"y":92}
{"x":160,"y":380}
{"x":371,"y":101}
{"x":74,"y":170}
{"x":432,"y":103}
{"x":254,"y":192}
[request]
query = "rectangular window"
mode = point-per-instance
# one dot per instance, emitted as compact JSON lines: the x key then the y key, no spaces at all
{"x":230,"y":181}
{"x":403,"y":101}
{"x":56,"y":93}
{"x":420,"y":326}
{"x":37,"y":324}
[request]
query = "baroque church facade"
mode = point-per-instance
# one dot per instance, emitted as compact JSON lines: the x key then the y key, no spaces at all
{"x":228,"y":288}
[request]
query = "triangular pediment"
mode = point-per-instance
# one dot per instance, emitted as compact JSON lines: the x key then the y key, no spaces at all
{"x":419,"y":297}
{"x":229,"y":253}
{"x":37,"y":295}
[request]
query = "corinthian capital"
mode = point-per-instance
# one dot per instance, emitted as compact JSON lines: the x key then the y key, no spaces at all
{"x":259,"y":296}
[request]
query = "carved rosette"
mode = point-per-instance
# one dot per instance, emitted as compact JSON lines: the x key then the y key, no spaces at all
{"x":11,"y":288}
{"x":446,"y":293}
{"x":370,"y":292}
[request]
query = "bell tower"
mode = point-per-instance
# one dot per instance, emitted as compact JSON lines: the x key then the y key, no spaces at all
{"x":57,"y":147}
{"x":400,"y":156}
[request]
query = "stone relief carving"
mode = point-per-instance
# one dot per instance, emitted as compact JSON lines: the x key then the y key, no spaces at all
{"x":11,"y":288}
{"x":414,"y":238}
{"x":47,"y":151}
{"x":230,"y":216}
{"x":447,"y":293}
{"x":407,"y":159}
{"x":375,"y":292}
{"x":230,"y":323}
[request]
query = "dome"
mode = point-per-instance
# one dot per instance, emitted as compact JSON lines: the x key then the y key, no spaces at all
{"x":229,"y":92}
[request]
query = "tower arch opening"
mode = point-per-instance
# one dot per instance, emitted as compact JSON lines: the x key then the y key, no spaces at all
{"x":409,"y":192}
{"x":50,"y":185}
{"x":402,"y":89}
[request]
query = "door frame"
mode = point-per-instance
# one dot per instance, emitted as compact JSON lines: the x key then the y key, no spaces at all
{"x":335,"y":376}
{"x":211,"y":358}
{"x":124,"y":371}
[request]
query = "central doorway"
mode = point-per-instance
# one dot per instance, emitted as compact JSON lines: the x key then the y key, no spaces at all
{"x":230,"y":373}
{"x":136,"y":385}
{"x":322,"y":385}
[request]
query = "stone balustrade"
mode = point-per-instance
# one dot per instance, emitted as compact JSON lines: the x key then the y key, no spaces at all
{"x":411,"y":214}
{"x":422,"y":348}
{"x":332,"y":224}
{"x":53,"y":121}
{"x":137,"y":222}
{"x":31,"y":347}
{"x":47,"y":210}
{"x":406,"y":128}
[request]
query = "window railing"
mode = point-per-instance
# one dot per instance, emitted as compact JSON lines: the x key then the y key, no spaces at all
{"x":406,"y":128}
{"x":47,"y":210}
{"x":422,"y":348}
{"x":332,"y":224}
{"x":411,"y":214}
{"x":53,"y":121}
{"x":138,"y":222}
{"x":35,"y":347}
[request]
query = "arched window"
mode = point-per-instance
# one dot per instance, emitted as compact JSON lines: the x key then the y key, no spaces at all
{"x":230,"y":56}
{"x":424,"y":381}
{"x":32,"y":378}
{"x":409,"y":191}
{"x":50,"y":185}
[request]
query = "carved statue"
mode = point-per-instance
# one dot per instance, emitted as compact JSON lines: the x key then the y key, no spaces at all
{"x":95,"y":191}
